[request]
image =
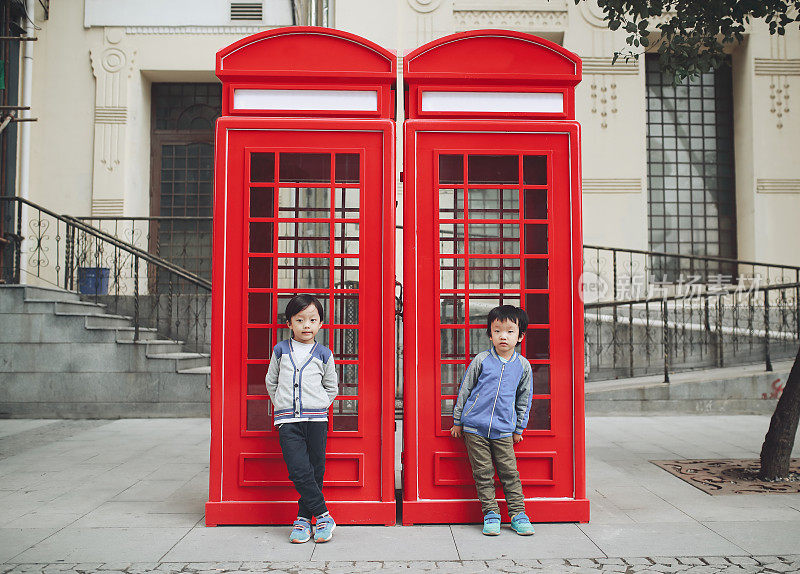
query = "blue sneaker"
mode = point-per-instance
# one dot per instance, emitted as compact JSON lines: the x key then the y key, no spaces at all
{"x":521,"y":524}
{"x":324,"y":530}
{"x":301,"y":531}
{"x":491,"y":524}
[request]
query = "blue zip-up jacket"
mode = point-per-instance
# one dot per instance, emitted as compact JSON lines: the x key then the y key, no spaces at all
{"x":494,"y":399}
{"x":301,"y":390}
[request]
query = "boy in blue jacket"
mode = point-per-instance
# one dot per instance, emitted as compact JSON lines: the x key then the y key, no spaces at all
{"x":302,"y":383}
{"x":491,"y":411}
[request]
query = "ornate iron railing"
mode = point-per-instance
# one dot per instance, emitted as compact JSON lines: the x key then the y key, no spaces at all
{"x":650,"y":312}
{"x":60,"y":250}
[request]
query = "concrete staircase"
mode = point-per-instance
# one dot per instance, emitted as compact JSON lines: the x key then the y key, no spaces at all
{"x":62,"y":357}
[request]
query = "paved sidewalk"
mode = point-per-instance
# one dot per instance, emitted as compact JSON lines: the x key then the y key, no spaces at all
{"x":128,"y":495}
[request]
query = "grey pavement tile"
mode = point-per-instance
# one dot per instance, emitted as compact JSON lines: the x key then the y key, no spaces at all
{"x":228,"y":543}
{"x":135,"y":515}
{"x":764,"y":537}
{"x":178,"y":471}
{"x":16,"y":540}
{"x":550,"y":541}
{"x":44,"y":518}
{"x":153,"y":490}
{"x":103,"y":545}
{"x":388,"y":543}
{"x":655,"y":539}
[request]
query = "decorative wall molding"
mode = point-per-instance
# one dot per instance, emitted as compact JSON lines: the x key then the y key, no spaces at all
{"x":592,"y":65}
{"x":603,"y":94}
{"x":107,"y":207}
{"x":424,"y":6}
{"x":612,"y":185}
{"x":777,"y":67}
{"x":518,"y":5}
{"x":110,"y":115}
{"x":514,"y":19}
{"x":194,"y":30}
{"x":593,"y":14}
{"x":777,"y":185}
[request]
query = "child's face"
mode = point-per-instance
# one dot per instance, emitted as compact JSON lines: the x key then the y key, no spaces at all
{"x":505,"y":336}
{"x":305,"y":324}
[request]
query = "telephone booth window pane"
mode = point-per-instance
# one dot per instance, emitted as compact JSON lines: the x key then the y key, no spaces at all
{"x":348,"y":378}
{"x":452,"y":342}
{"x":537,"y":344}
{"x":447,"y":413}
{"x":451,"y":273}
{"x":345,"y":273}
{"x":478,"y":340}
{"x":283,"y":300}
{"x":347,"y":167}
{"x":345,"y":308}
{"x":262,"y":202}
{"x":536,"y":238}
{"x":305,"y":167}
{"x":259,"y":414}
{"x":345,"y":415}
{"x":451,"y":377}
{"x":494,"y":273}
{"x":541,"y":379}
{"x":493,"y":238}
{"x":259,"y":308}
{"x":534,"y":170}
{"x":255,"y":379}
{"x":347,"y":202}
{"x":539,"y":419}
{"x":451,"y":204}
{"x":259,"y":343}
{"x":537,"y":306}
{"x":452,"y":309}
{"x":303,"y":273}
{"x":261,"y":239}
{"x":451,"y":238}
{"x":536,"y":273}
{"x":260,"y":275}
{"x":345,"y":238}
{"x":493,"y":169}
{"x":451,"y":169}
{"x":262,"y":167}
{"x":304,"y":202}
{"x":493,"y":204}
{"x":304,"y":237}
{"x":345,"y":343}
{"x":480,"y":305}
{"x":535,"y":204}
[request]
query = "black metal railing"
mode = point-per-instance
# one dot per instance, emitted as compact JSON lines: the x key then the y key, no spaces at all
{"x":705,"y":312}
{"x":63,"y":251}
{"x":184,"y":241}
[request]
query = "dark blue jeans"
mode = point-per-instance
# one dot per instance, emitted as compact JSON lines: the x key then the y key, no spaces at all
{"x":303,"y":447}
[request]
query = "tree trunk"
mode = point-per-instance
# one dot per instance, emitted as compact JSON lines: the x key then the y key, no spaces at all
{"x":776,"y":451}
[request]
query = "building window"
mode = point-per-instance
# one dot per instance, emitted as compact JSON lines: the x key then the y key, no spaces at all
{"x":182,"y":183}
{"x":690,"y":173}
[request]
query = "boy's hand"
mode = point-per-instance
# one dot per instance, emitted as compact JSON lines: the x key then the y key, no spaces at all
{"x":455,"y":432}
{"x":517,"y":438}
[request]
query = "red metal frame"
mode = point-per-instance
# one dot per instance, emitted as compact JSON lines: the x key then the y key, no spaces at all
{"x":248,"y":479}
{"x":437,"y":483}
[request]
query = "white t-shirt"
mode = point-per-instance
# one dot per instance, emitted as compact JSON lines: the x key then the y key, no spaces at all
{"x":301,"y":351}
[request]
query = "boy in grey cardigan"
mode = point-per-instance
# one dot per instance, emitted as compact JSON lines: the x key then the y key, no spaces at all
{"x":302,"y":383}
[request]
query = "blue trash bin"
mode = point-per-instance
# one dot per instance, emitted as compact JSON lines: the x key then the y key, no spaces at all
{"x":93,"y":280}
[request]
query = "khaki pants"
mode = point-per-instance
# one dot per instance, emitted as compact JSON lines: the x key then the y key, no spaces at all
{"x":482,"y":451}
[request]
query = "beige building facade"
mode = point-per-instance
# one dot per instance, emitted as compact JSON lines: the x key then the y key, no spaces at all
{"x":96,"y":63}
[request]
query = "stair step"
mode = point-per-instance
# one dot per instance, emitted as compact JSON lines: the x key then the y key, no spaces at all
{"x":183,"y":360}
{"x":50,"y":293}
{"x":104,"y":320}
{"x":196,"y":371}
{"x":126,"y":334}
{"x":63,"y":307}
{"x":155,"y":346}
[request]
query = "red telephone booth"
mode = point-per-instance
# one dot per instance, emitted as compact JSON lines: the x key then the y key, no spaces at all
{"x":492,"y":216}
{"x":304,"y":203}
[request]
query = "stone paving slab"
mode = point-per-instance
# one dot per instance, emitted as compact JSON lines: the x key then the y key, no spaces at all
{"x":226,"y":543}
{"x":550,"y":541}
{"x":643,"y":565}
{"x":384,"y":543}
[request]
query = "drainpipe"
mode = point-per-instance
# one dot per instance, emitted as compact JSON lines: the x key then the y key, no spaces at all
{"x":25,"y":126}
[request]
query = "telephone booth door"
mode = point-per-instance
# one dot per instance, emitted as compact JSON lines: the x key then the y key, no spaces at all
{"x":303,"y":205}
{"x":493,"y":216}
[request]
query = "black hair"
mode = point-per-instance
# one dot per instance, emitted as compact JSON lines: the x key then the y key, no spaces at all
{"x":510,"y":313}
{"x":300,"y":302}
